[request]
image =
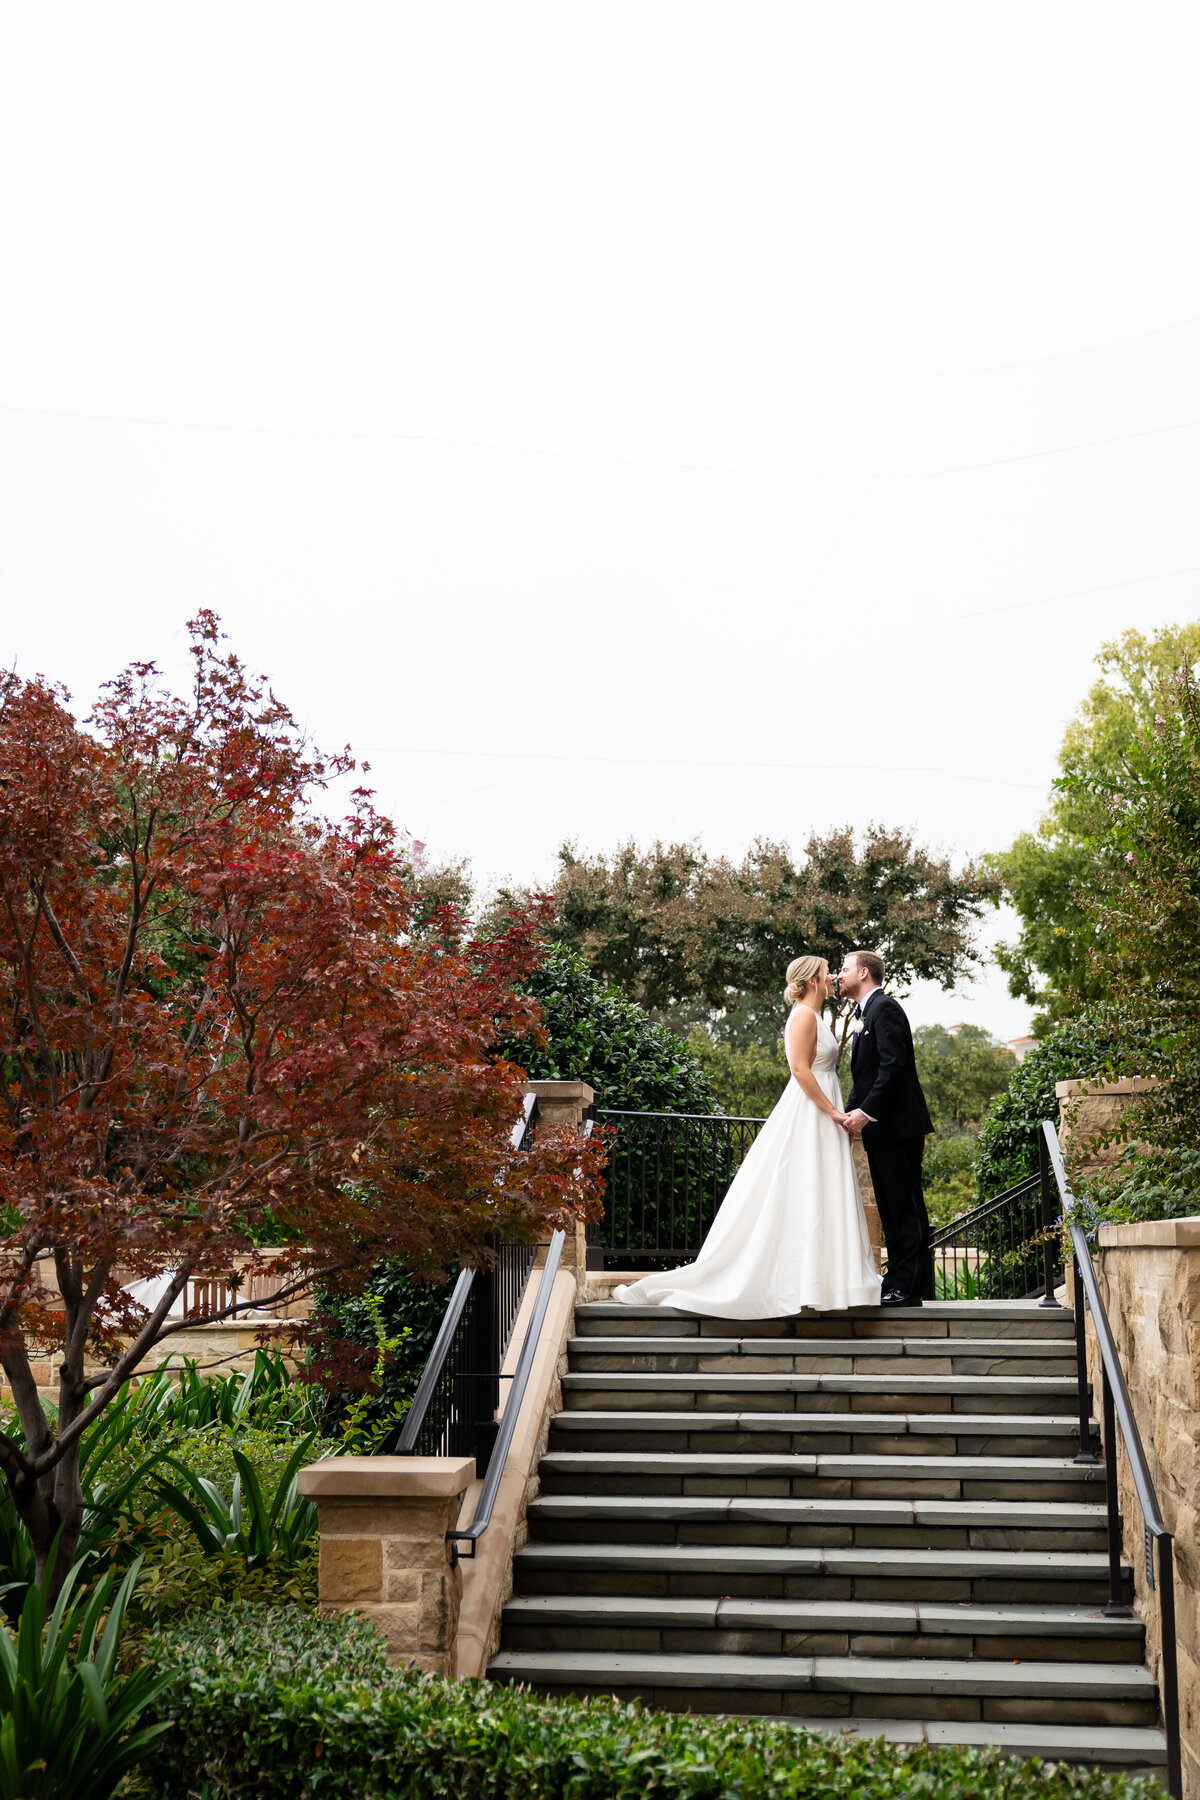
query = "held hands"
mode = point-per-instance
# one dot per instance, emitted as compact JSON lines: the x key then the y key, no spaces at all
{"x":853,"y":1122}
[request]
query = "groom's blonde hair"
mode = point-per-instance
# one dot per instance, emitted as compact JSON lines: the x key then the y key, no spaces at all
{"x":801,"y":972}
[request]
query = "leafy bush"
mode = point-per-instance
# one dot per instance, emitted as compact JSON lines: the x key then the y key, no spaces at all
{"x":597,"y":1036}
{"x":127,"y":1513}
{"x":1146,"y":913}
{"x":961,"y":1072}
{"x":746,"y":1079}
{"x":1008,"y":1136}
{"x":254,"y":1525}
{"x":69,"y":1714}
{"x":948,"y":1174}
{"x":180,"y":1581}
{"x":1145,"y":1184}
{"x":286,"y":1707}
{"x":362,"y":1389}
{"x":265,"y":1397}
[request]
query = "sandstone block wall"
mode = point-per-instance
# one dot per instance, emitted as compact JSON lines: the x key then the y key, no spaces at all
{"x":382,"y":1522}
{"x":1149,"y":1278}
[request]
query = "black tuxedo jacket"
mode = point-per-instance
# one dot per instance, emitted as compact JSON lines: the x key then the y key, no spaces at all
{"x":884,"y":1076}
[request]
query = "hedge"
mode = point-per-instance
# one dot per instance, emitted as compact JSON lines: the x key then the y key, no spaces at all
{"x":1008,"y":1135}
{"x":595,"y":1035}
{"x":279,"y":1705}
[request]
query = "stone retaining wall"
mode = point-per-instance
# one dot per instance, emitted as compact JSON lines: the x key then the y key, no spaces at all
{"x":1149,"y":1277}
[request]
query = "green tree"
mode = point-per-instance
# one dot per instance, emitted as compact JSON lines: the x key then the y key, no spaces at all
{"x":948,"y":1175}
{"x":1008,"y":1135}
{"x":594,"y":1034}
{"x":695,"y":938}
{"x":1051,"y":875}
{"x":1147,"y":907}
{"x":746,"y":1079}
{"x":961,"y":1072}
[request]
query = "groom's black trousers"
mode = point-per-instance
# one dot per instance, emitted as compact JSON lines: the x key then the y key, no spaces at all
{"x":896,"y":1178}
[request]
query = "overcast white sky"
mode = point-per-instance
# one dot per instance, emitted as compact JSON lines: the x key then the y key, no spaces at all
{"x":663,"y":419}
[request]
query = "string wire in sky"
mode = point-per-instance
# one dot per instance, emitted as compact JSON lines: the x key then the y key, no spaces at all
{"x":632,"y":462}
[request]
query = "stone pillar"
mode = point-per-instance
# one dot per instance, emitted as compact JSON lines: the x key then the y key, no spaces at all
{"x":564,"y":1103}
{"x":382,"y":1522}
{"x":867,"y":1189}
{"x":1090,"y":1109}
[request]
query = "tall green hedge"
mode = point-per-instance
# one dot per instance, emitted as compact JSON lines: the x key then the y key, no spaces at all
{"x":1008,"y":1136}
{"x":598,"y":1036}
{"x":282,"y":1706}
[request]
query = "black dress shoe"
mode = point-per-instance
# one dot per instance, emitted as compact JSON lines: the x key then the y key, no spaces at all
{"x":894,"y":1299}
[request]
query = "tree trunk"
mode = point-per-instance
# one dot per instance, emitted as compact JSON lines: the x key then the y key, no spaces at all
{"x":52,"y":1512}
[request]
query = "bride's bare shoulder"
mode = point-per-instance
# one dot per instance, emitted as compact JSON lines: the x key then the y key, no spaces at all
{"x":806,"y":1025}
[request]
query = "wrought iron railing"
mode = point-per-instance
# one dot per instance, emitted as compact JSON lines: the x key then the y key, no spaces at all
{"x":1116,"y":1410}
{"x":494,"y":1469}
{"x":453,"y":1412}
{"x":666,"y":1176}
{"x":1004,"y":1249}
{"x":668,"y":1173}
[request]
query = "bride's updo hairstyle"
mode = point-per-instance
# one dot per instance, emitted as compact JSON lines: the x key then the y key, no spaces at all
{"x":802,"y":971}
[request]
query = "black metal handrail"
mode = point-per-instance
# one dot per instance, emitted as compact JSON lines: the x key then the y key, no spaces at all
{"x":453,"y":1411}
{"x":516,"y":1395}
{"x":1118,"y":1411}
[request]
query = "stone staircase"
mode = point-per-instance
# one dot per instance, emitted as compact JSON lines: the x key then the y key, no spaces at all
{"x":866,"y":1521}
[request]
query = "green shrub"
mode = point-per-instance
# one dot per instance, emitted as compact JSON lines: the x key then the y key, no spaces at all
{"x":69,"y":1718}
{"x":259,"y":1525}
{"x":180,"y":1582}
{"x":948,"y":1174}
{"x":286,"y":1707}
{"x":345,"y":1341}
{"x":1145,"y":1184}
{"x":746,"y":1079}
{"x":597,"y":1036}
{"x":1008,"y":1136}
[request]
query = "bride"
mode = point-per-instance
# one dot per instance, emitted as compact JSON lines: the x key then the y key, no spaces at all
{"x":791,"y":1231}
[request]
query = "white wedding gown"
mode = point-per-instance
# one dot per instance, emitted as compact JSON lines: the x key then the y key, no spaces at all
{"x":791,"y":1231}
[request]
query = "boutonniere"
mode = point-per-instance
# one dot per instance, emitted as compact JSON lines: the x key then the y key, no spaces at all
{"x":856,"y":1027}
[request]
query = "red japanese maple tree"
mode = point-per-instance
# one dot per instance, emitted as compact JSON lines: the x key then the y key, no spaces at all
{"x":216,"y":1023}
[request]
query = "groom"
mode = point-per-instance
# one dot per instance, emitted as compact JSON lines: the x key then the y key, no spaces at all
{"x":886,"y":1104}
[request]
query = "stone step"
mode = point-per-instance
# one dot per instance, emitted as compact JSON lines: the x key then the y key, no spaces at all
{"x":834,"y":1356}
{"x":945,"y":1318}
{"x":921,"y":1687}
{"x":953,"y":1434}
{"x":1136,"y":1750}
{"x":824,"y":1475}
{"x":696,"y":1625}
{"x":811,"y":1571}
{"x":901,"y":1393}
{"x":770,"y":1519}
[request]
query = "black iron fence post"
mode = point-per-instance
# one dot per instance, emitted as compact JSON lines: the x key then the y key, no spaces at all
{"x":483,"y":1370}
{"x":1169,"y":1664}
{"x":1116,"y":1607}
